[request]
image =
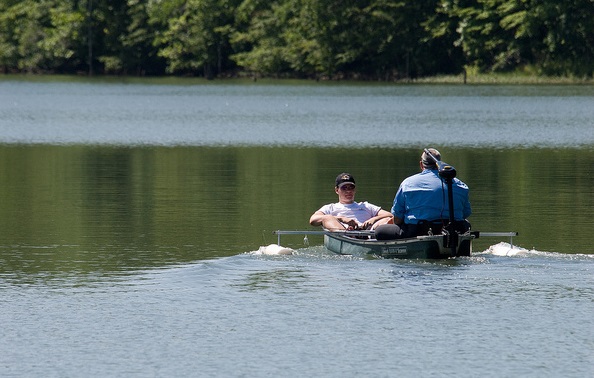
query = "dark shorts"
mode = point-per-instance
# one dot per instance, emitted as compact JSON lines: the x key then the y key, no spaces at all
{"x":407,"y":230}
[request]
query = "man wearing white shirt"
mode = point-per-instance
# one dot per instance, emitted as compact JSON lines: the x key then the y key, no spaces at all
{"x":347,"y":214}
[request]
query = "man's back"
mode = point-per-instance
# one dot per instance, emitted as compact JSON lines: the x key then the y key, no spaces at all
{"x":424,"y":197}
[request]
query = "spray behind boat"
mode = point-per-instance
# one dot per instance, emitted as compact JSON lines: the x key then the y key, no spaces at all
{"x":447,"y":173}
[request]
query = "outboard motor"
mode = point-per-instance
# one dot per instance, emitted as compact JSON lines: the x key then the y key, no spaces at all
{"x":447,"y":173}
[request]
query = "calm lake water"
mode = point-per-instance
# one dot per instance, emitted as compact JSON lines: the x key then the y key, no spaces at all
{"x":131,"y":214}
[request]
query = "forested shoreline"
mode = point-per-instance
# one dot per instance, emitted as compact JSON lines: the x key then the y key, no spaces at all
{"x":314,"y":39}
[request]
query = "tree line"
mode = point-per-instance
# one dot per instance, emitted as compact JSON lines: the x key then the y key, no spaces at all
{"x":367,"y":39}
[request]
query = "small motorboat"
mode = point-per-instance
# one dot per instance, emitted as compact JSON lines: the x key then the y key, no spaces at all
{"x":363,"y":244}
{"x":450,"y":242}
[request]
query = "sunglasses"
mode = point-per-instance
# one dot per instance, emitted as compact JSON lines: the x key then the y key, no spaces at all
{"x":347,"y":187}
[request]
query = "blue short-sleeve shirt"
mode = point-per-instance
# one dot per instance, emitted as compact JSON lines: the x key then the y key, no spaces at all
{"x":424,"y":196}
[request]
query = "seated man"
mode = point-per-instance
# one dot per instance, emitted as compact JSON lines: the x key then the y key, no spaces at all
{"x":421,"y":204}
{"x":347,"y":214}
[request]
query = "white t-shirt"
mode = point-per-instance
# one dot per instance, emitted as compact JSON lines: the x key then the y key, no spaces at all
{"x":361,"y":211}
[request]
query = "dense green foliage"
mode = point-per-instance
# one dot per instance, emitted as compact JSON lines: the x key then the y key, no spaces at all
{"x":374,"y":39}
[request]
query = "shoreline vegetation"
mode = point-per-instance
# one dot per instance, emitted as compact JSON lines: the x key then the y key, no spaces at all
{"x":518,"y":78}
{"x":477,"y":41}
{"x":508,"y":78}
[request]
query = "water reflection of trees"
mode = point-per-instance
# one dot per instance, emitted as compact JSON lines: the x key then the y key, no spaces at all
{"x":90,"y":209}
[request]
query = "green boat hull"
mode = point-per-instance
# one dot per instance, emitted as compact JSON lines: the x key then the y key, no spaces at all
{"x":421,"y":247}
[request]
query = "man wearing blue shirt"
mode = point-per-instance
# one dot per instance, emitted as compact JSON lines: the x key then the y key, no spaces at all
{"x":421,"y":203}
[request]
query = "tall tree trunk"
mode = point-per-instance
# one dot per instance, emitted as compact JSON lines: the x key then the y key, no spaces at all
{"x":90,"y":34}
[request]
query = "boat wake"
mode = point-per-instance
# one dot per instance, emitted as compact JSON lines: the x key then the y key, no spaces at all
{"x":274,"y":249}
{"x":502,"y":249}
{"x":506,"y":249}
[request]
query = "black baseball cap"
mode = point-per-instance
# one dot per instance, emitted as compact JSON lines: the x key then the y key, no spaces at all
{"x":344,"y":178}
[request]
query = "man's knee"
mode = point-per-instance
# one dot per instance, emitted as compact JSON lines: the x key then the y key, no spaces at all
{"x":389,"y":220}
{"x":388,"y":232}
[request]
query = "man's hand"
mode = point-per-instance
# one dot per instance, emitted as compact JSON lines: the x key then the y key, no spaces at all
{"x":351,"y":223}
{"x":367,"y":224}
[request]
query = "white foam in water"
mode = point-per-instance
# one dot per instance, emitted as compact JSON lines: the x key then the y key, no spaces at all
{"x":506,"y":249}
{"x":275,"y":249}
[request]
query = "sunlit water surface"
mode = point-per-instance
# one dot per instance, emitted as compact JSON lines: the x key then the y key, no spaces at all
{"x":310,"y":314}
{"x":307,"y":114}
{"x":131,"y":217}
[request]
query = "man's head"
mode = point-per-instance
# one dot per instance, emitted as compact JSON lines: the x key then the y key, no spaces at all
{"x":427,"y":162}
{"x":345,"y":188}
{"x":344,"y":179}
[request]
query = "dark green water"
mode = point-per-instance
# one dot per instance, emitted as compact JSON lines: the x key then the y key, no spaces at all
{"x":85,"y":208}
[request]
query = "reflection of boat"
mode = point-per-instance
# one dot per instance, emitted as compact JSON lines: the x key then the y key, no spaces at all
{"x":362,"y":243}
